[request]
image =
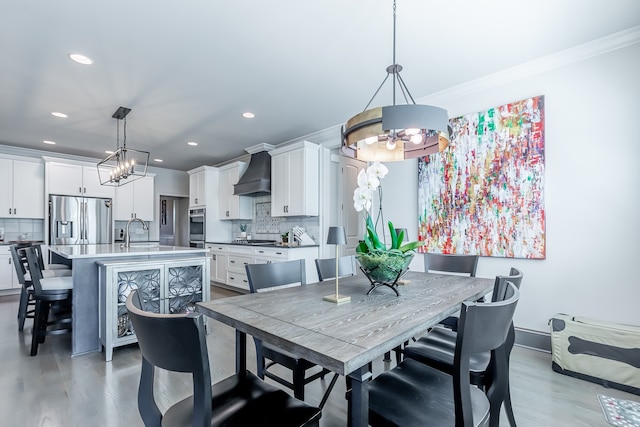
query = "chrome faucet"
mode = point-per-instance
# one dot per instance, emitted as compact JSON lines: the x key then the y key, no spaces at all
{"x":128,"y":235}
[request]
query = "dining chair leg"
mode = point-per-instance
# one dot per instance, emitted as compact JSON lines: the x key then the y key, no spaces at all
{"x":22,"y":308}
{"x":509,"y":409}
{"x":37,"y":325}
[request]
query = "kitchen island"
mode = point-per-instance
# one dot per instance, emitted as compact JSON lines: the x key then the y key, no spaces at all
{"x":86,"y":260}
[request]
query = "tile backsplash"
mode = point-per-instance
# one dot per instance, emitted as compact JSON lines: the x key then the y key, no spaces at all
{"x":265,"y":227}
{"x":14,"y":228}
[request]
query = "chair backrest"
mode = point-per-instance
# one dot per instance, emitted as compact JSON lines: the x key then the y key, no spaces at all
{"x":466,"y":264}
{"x":326,"y":267}
{"x":482,"y":327}
{"x":500,"y":288}
{"x":175,"y":342}
{"x":19,"y":259}
{"x":33,"y":265}
{"x":275,"y":274}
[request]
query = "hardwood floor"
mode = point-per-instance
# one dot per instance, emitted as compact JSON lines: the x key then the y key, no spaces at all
{"x":53,"y":389}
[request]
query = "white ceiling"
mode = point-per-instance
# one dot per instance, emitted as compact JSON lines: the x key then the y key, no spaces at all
{"x":189,"y":69}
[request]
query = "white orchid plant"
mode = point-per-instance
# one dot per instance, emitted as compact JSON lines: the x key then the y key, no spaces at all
{"x":369,"y":181}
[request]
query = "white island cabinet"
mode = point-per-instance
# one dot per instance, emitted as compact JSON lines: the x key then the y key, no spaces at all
{"x":165,"y":286}
{"x":87,"y":311}
{"x":294,"y":180}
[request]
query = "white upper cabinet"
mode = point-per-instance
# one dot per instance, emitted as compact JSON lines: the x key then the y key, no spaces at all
{"x":233,"y":207}
{"x":135,"y":200}
{"x":72,"y":179}
{"x":22,"y":189}
{"x":197,"y":189}
{"x":294,"y":180}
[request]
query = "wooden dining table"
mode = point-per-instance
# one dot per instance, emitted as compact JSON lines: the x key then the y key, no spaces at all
{"x":345,"y":338}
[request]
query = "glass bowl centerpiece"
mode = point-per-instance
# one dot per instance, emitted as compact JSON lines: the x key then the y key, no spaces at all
{"x":382,"y":264}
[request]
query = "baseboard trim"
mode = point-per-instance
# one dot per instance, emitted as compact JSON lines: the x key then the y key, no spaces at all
{"x":534,"y":340}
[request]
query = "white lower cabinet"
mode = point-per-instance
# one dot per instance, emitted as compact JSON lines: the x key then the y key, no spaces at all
{"x":230,"y":261}
{"x":8,"y":279}
{"x":166,"y":286}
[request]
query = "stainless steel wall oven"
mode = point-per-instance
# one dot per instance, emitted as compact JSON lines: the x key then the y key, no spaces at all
{"x":197,"y":228}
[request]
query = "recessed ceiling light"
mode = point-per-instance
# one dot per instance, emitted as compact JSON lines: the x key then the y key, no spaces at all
{"x":248,"y":115}
{"x":49,"y":142}
{"x":158,"y":160}
{"x":80,"y":59}
{"x":108,"y":151}
{"x":59,"y":114}
{"x":192,"y":143}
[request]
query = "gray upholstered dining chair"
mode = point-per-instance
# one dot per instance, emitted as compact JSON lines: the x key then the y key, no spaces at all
{"x":326,"y":267}
{"x":177,"y":342}
{"x":437,"y":349}
{"x":265,"y":277}
{"x":440,"y":399}
{"x":462,"y":264}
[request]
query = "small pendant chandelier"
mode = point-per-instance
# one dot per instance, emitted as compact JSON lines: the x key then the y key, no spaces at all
{"x":124,"y":165}
{"x":396,"y":132}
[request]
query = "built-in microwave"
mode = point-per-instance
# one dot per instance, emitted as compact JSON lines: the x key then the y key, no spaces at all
{"x":197,"y":226}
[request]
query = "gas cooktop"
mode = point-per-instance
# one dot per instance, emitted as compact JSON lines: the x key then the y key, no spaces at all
{"x":254,"y":242}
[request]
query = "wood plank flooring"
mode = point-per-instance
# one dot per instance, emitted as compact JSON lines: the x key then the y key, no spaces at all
{"x":53,"y":389}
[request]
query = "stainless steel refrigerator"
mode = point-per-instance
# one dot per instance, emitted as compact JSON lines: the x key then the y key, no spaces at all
{"x":79,"y":220}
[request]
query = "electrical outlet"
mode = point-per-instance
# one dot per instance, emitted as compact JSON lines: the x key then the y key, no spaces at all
{"x":121,"y":233}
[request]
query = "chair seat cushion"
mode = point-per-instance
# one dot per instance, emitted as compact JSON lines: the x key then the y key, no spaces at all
{"x":245,"y":400}
{"x":56,"y":283}
{"x":414,"y":394}
{"x":438,"y":349}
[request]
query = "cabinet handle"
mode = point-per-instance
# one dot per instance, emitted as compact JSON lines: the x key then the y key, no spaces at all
{"x":80,"y":190}
{"x":196,"y":200}
{"x":232,"y":278}
{"x":278,"y":253}
{"x":260,"y":252}
{"x":85,"y":190}
{"x":246,"y":263}
{"x":227,"y":213}
{"x":14,"y":211}
{"x":245,"y":281}
{"x":232,"y":262}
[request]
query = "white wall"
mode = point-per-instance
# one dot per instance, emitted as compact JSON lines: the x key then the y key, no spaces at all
{"x":592,"y":190}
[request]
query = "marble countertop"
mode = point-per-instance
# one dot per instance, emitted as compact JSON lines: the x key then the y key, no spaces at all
{"x":118,"y":250}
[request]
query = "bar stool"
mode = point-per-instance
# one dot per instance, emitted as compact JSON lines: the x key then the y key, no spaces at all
{"x":26,"y":307}
{"x":48,"y":292}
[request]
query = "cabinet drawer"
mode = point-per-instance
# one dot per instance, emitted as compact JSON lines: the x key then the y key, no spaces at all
{"x":239,"y":280}
{"x":237,"y":249}
{"x":218,"y":248}
{"x":271,"y":253}
{"x":237,"y":262}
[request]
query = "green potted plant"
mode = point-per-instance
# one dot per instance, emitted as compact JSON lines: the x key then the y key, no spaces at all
{"x":381,"y":262}
{"x":285,"y":237}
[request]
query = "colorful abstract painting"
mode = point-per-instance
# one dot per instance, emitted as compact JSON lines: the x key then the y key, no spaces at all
{"x":483,"y":195}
